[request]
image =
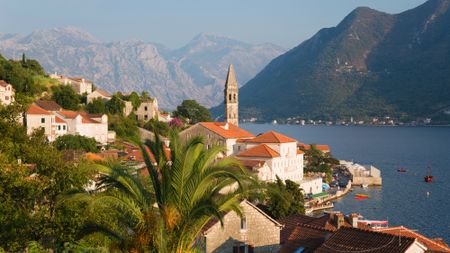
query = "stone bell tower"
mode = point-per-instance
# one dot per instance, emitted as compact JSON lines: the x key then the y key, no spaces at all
{"x":231,"y":98}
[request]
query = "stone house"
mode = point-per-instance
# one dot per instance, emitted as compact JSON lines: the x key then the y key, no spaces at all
{"x":147,"y":110}
{"x":217,"y":133}
{"x":79,"y":84}
{"x":98,"y":93}
{"x":6,"y":93}
{"x":255,"y":231}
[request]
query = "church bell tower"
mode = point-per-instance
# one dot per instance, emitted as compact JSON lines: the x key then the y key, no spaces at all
{"x":231,"y":98}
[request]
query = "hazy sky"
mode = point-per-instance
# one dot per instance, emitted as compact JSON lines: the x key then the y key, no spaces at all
{"x":174,"y":23}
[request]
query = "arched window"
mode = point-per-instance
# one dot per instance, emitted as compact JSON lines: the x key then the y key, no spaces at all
{"x":229,"y":97}
{"x":234,"y":97}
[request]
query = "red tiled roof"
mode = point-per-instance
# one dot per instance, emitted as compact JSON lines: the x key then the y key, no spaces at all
{"x":59,"y":120}
{"x":306,"y":236}
{"x":85,"y":118}
{"x":299,"y":152}
{"x":252,"y":163}
{"x":93,"y":157}
{"x":403,"y":231}
{"x":48,"y":105}
{"x":358,"y":240}
{"x":3,"y":83}
{"x":36,"y":110}
{"x":233,"y":131}
{"x":271,"y":137}
{"x":261,"y":150}
{"x":321,"y":147}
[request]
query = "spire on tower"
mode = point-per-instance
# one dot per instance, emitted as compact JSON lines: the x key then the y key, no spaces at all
{"x":231,"y":79}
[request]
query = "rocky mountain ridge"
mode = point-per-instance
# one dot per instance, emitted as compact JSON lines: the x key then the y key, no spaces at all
{"x":195,"y":71}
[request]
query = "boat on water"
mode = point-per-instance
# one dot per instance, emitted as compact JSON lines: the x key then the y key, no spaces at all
{"x":402,"y":170}
{"x":364,"y":185}
{"x":360,"y":196}
{"x":429,"y":177}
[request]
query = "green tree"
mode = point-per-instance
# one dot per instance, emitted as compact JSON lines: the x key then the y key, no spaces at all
{"x":125,"y":127}
{"x":318,"y":161}
{"x":190,"y":109}
{"x":160,"y":127}
{"x":115,"y":105}
{"x":76,"y":142}
{"x":66,"y":97}
{"x":98,"y":105}
{"x":29,"y":189}
{"x":134,"y":99}
{"x":284,"y":199}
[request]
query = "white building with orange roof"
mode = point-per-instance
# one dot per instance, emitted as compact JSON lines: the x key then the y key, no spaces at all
{"x":89,"y":125}
{"x":53,"y":125}
{"x":217,"y":133}
{"x":277,"y":153}
{"x":6,"y":93}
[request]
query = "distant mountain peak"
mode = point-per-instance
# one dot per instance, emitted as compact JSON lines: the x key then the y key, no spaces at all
{"x":68,"y":35}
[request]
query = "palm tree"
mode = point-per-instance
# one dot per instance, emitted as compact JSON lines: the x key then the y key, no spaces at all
{"x":189,"y":187}
{"x":121,"y":208}
{"x":192,"y":187}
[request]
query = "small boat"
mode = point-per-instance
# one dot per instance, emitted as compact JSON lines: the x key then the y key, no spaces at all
{"x":428,"y":178}
{"x":364,"y":185}
{"x":402,"y":170}
{"x":361,"y":196}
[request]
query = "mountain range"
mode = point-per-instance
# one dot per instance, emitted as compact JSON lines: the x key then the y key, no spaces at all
{"x":195,"y":71}
{"x":371,"y":64}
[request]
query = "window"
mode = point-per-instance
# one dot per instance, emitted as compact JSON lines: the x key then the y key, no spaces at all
{"x":6,"y":97}
{"x":145,"y":108}
{"x":64,"y":127}
{"x":229,"y":97}
{"x":59,"y":127}
{"x":42,"y":120}
{"x":145,"y":117}
{"x":243,"y":223}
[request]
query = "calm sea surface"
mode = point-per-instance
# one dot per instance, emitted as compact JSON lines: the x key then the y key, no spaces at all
{"x":402,"y":200}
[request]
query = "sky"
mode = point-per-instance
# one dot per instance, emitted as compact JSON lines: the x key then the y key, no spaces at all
{"x":173,"y":23}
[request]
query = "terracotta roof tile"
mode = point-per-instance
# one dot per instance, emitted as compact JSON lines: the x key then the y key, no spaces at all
{"x":306,"y":236}
{"x":271,"y":137}
{"x":252,"y":163}
{"x":103,"y":92}
{"x":403,"y":231}
{"x":233,"y":131}
{"x":36,"y":110}
{"x":358,"y":240}
{"x":3,"y":83}
{"x":59,"y":120}
{"x":48,"y":105}
{"x":85,"y":118}
{"x":261,"y":150}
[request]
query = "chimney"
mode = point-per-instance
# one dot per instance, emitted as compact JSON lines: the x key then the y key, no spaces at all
{"x":339,"y":220}
{"x":354,"y":219}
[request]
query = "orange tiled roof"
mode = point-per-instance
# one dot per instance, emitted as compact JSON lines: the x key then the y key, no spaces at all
{"x":85,"y":118}
{"x":93,"y":157}
{"x":103,"y":92}
{"x":48,"y":105}
{"x":403,"y":231}
{"x":299,"y":152}
{"x":3,"y":83}
{"x":320,"y":147}
{"x":261,"y":150}
{"x":233,"y":131}
{"x":59,"y":120}
{"x":252,"y":163}
{"x":36,"y":110}
{"x":271,"y":137}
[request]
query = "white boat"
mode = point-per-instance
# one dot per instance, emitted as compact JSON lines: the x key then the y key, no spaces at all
{"x":364,"y":185}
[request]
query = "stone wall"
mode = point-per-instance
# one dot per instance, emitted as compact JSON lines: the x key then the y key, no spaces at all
{"x":261,"y":232}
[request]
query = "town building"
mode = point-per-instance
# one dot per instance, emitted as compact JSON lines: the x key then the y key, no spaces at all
{"x":57,"y":122}
{"x":362,"y":174}
{"x":217,"y":133}
{"x":53,"y":125}
{"x":432,"y":245}
{"x":273,"y":154}
{"x":98,"y":93}
{"x":79,"y":84}
{"x":89,"y":125}
{"x":231,"y":99}
{"x":255,"y":231}
{"x":147,"y":110}
{"x":7,"y":93}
